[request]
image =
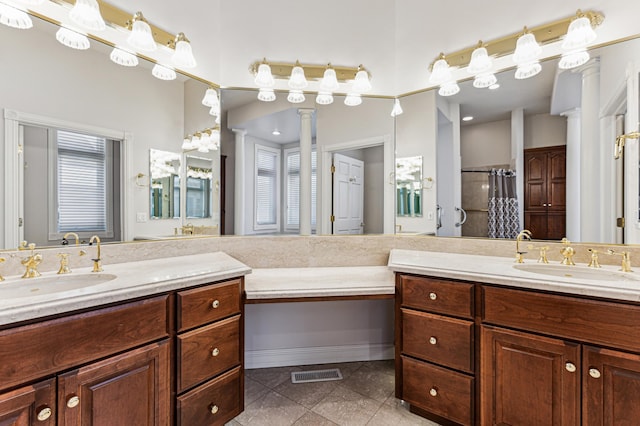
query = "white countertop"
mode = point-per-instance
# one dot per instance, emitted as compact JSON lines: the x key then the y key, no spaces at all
{"x":501,"y":271}
{"x":24,"y":299}
{"x":279,"y":283}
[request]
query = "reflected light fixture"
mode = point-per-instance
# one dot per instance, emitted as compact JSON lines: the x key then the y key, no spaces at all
{"x":397,"y":108}
{"x":14,"y":18}
{"x":353,"y":99}
{"x":124,"y":58}
{"x":72,"y":39}
{"x":86,"y":14}
{"x":361,"y":83}
{"x":526,"y":56}
{"x":211,"y":98}
{"x":266,"y":95}
{"x":324,"y":98}
{"x":163,"y":73}
{"x":183,"y":55}
{"x":215,"y":110}
{"x":141,"y":37}
{"x":296,"y":96}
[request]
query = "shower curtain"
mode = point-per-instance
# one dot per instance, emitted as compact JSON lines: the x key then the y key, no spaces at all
{"x":503,"y":205}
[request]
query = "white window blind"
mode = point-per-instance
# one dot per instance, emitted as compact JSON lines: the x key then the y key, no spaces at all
{"x":82,"y":182}
{"x":292,"y":158}
{"x":266,"y":190}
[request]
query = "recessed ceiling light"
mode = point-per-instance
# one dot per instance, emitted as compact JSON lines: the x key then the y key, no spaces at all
{"x":467,"y":118}
{"x":276,"y":132}
{"x":494,"y":86}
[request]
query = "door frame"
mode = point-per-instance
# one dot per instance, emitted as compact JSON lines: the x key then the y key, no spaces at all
{"x":324,"y":178}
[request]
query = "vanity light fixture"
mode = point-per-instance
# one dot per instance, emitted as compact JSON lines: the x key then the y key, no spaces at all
{"x":203,"y":140}
{"x":480,"y":66}
{"x":141,"y":37}
{"x":297,"y":80}
{"x":266,"y":95}
{"x":264,"y":78}
{"x":183,"y":55}
{"x":527,"y":56}
{"x":31,"y":2}
{"x":163,"y":73}
{"x":324,"y":98}
{"x":72,"y":39}
{"x":296,"y":96}
{"x":329,"y":82}
{"x":361,"y":83}
{"x":14,"y":18}
{"x":86,"y":14}
{"x":579,"y":35}
{"x":211,"y":98}
{"x":441,"y":74}
{"x":124,"y":58}
{"x":397,"y":108}
{"x":353,"y":99}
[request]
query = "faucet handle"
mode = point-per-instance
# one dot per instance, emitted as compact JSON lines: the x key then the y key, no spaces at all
{"x":542,"y":258}
{"x":64,"y":263}
{"x":593,"y":263}
{"x":626,"y":261}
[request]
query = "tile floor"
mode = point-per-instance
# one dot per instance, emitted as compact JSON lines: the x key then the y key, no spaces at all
{"x":365,"y":396}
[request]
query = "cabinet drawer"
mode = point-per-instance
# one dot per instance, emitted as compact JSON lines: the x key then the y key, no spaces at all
{"x":37,"y":350}
{"x":24,"y":405}
{"x":445,"y":297}
{"x":438,"y":390}
{"x":207,"y":304}
{"x":214,"y":403}
{"x":443,"y":340}
{"x":207,"y":351}
{"x":594,"y":321}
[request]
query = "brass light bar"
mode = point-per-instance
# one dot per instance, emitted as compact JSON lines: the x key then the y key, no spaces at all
{"x":546,"y":33}
{"x":311,"y":72}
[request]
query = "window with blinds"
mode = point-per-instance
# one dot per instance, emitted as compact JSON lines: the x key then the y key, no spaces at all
{"x":292,"y":161}
{"x":84,"y":187}
{"x":267,"y":197}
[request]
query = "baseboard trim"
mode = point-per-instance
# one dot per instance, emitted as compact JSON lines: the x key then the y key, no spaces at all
{"x":317,"y":355}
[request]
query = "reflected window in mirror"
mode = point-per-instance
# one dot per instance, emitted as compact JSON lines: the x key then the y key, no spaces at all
{"x":74,"y":174}
{"x":267,"y":194}
{"x":409,"y":186}
{"x":164,"y":169}
{"x":199,"y":187}
{"x":292,"y":164}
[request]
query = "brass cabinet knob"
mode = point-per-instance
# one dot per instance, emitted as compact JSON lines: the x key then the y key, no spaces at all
{"x":433,"y":340}
{"x":73,"y":401}
{"x":595,"y":373}
{"x":44,"y":413}
{"x":215,"y":352}
{"x":571,"y":367}
{"x":433,"y":296}
{"x":214,"y":409}
{"x":215,"y":304}
{"x":433,"y":392}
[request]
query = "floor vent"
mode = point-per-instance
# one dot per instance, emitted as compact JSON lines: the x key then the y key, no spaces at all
{"x":316,"y":376}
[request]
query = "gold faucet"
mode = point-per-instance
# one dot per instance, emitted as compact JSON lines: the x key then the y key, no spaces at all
{"x":31,"y":262}
{"x":2,"y":259}
{"x":64,"y":238}
{"x":593,"y":263}
{"x":64,"y":257}
{"x":542,"y":256}
{"x":526,"y":234}
{"x":626,"y":262}
{"x":96,"y":261}
{"x":567,"y":253}
{"x":188,"y":229}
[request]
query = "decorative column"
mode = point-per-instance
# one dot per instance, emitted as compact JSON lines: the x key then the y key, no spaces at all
{"x":239,"y":192}
{"x":590,"y":196}
{"x":306,"y":115}
{"x":573,"y":175}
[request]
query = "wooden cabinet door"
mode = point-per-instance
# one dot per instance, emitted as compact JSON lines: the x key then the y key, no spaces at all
{"x":29,"y":406}
{"x":611,"y":387}
{"x":535,"y":198}
{"x":128,"y":389}
{"x":528,"y":379}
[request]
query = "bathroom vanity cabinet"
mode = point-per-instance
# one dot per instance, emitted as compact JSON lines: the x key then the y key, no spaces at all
{"x":135,"y":362}
{"x":540,"y":357}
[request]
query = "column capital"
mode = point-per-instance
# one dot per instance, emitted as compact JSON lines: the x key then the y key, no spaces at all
{"x":571,"y":113}
{"x":306,"y":111}
{"x":239,"y":131}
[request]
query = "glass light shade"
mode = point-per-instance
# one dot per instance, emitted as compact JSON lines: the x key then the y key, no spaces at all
{"x":397,"y":108}
{"x":141,"y":37}
{"x":186,"y":143}
{"x":217,"y":119}
{"x":211,"y":98}
{"x":183,"y":55}
{"x":14,"y":18}
{"x":329,"y":81}
{"x":361,"y":84}
{"x":324,"y":98}
{"x":297,"y":80}
{"x":203,"y":148}
{"x":215,"y":139}
{"x":573,"y":59}
{"x":264,"y":78}
{"x":295,"y":96}
{"x":527,"y":70}
{"x":86,"y":13}
{"x":163,"y":73}
{"x":480,"y":61}
{"x":527,"y":49}
{"x":124,"y":58}
{"x":72,"y":39}
{"x":441,"y":72}
{"x":31,"y":2}
{"x":449,"y":88}
{"x":484,"y":80}
{"x":215,"y":110}
{"x":579,"y":34}
{"x":266,"y":95}
{"x":353,"y":99}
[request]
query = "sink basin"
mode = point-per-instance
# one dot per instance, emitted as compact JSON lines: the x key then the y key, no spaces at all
{"x":577,"y":272}
{"x":51,"y":284}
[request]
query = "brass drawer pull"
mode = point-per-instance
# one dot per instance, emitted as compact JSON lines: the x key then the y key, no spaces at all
{"x":215,"y":352}
{"x":214,"y":409}
{"x":73,"y":401}
{"x":571,"y":367}
{"x":433,"y":391}
{"x":433,"y":296}
{"x":595,"y":373}
{"x":215,"y":304}
{"x":433,"y":340}
{"x":44,"y":414}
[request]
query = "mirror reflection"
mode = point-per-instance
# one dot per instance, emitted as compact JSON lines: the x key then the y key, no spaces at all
{"x":199,"y":183}
{"x":164,"y":170}
{"x":409,"y":186}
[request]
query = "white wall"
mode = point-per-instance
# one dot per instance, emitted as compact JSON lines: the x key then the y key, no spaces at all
{"x":542,"y":130}
{"x":485,"y":144}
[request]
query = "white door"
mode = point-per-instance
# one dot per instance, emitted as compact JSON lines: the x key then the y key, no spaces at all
{"x":348,"y":195}
{"x":631,"y":157}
